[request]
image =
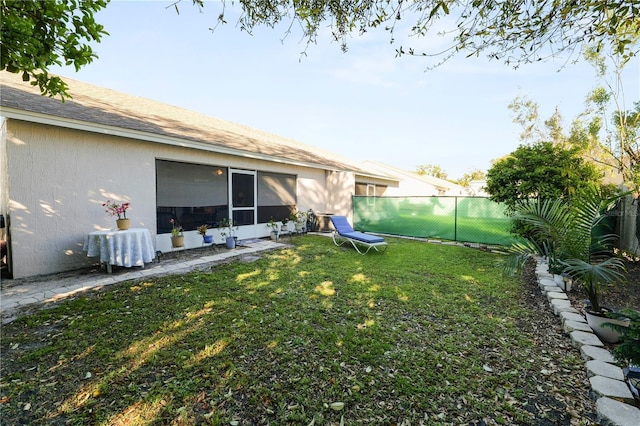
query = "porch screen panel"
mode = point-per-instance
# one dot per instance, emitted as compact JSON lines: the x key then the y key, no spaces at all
{"x":191,"y":194}
{"x":276,"y":196}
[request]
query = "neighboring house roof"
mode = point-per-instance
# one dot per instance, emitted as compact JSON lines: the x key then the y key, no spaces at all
{"x":105,"y":111}
{"x":440,"y":184}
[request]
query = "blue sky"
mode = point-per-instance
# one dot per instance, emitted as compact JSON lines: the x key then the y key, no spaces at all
{"x":365,"y":104}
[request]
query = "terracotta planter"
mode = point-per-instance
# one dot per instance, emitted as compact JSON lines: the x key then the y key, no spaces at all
{"x":606,"y":334}
{"x":123,"y":224}
{"x":177,"y":241}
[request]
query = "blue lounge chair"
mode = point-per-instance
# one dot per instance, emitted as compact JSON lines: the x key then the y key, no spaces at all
{"x":359,"y":240}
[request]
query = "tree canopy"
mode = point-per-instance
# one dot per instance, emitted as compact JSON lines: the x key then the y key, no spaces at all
{"x":431,"y":170}
{"x":620,"y":143}
{"x":469,"y":177}
{"x":515,"y":31}
{"x":542,"y":170}
{"x":38,"y":34}
{"x":35,"y":35}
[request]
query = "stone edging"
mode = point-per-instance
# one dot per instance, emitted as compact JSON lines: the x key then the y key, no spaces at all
{"x":615,"y":404}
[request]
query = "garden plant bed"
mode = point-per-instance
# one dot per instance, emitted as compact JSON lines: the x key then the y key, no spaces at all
{"x":619,"y":296}
{"x":424,"y":334}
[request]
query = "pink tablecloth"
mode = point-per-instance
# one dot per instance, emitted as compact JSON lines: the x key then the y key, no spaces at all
{"x":132,"y":247}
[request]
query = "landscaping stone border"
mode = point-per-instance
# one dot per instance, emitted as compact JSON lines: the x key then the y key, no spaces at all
{"x":615,"y":404}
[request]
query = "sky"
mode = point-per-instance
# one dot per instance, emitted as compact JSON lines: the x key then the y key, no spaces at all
{"x":365,"y":104}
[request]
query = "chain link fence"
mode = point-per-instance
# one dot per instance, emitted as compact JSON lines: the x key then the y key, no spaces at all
{"x":464,"y":219}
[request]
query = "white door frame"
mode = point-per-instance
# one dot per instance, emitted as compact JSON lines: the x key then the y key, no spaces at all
{"x":233,"y":208}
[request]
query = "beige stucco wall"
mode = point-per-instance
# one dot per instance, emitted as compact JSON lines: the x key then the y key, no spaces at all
{"x":57,"y":180}
{"x":340,"y":188}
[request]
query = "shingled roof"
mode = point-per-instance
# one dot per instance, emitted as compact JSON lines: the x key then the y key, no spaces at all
{"x":107,"y":111}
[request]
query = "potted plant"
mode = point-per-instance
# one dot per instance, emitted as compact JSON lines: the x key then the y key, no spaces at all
{"x":299,"y":219}
{"x":563,"y":232}
{"x":202,"y":230}
{"x":227,"y":230}
{"x":120,"y":210}
{"x":592,"y":276}
{"x":177,"y":235}
{"x":284,"y":227}
{"x":274,"y":229}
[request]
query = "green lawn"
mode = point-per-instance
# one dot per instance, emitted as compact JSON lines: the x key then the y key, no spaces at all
{"x":312,"y":334}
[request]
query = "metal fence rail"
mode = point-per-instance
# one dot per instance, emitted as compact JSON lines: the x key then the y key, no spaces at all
{"x":466,"y":219}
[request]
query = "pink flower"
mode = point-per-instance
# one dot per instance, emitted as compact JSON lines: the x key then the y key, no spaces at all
{"x":115,"y":209}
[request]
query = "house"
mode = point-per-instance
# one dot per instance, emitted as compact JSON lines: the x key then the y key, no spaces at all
{"x":61,"y":161}
{"x":411,"y":184}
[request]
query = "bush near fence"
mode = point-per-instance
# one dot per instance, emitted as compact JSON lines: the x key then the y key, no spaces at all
{"x":465,"y":219}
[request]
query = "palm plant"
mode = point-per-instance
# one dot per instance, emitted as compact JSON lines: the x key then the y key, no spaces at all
{"x":592,"y":275}
{"x":566,"y":233}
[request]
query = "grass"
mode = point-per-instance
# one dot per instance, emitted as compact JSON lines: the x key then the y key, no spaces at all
{"x":311,"y":334}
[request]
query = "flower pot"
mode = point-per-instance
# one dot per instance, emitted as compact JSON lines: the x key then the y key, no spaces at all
{"x":231,"y":242}
{"x":299,"y":226}
{"x":274,"y":235}
{"x":123,"y":224}
{"x":606,"y":334}
{"x":177,"y":241}
{"x":208,"y":239}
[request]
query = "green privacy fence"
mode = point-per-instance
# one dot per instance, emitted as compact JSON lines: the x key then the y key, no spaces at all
{"x":467,"y":219}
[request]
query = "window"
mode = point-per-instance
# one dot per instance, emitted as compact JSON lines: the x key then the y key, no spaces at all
{"x":370,"y":190}
{"x":276,"y":196}
{"x":191,"y":194}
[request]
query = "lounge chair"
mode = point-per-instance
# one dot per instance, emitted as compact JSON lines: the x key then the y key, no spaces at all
{"x":359,"y":240}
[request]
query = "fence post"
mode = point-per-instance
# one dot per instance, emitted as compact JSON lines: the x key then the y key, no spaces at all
{"x":455,"y":219}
